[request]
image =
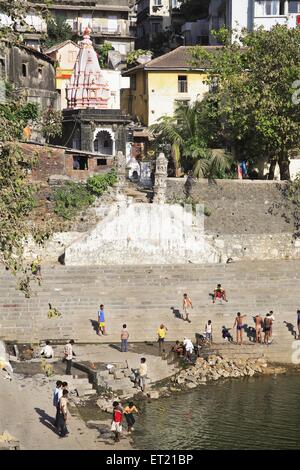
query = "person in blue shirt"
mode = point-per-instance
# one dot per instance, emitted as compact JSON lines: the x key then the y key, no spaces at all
{"x":101,"y":321}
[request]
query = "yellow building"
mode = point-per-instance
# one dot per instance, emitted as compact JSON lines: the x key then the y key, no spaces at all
{"x":158,"y":86}
{"x":64,"y":55}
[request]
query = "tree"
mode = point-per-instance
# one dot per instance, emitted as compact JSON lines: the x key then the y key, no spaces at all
{"x":51,"y":124}
{"x":186,"y":133}
{"x":132,"y":57}
{"x":102,"y":53}
{"x":252,"y":104}
{"x":17,"y":193}
{"x":58,"y":30}
{"x":193,"y":10}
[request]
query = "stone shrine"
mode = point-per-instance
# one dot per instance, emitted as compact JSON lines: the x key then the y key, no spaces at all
{"x":91,"y":128}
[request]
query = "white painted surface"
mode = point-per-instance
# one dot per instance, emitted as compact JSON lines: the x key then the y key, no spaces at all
{"x":144,"y":233}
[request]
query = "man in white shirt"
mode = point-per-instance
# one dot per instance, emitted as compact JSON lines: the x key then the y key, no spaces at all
{"x":142,"y":374}
{"x":47,"y":351}
{"x":188,"y":346}
{"x":69,"y":353}
{"x":57,"y":394}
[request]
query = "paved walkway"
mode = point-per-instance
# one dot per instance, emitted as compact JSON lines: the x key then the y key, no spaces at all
{"x":26,"y":412}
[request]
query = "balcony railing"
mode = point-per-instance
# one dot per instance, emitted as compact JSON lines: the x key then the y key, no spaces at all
{"x":100,"y":29}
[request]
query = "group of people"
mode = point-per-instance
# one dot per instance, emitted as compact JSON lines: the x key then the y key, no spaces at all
{"x":60,"y":400}
{"x":118,"y":413}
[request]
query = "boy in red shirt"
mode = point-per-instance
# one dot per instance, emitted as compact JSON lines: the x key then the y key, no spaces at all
{"x":116,"y":424}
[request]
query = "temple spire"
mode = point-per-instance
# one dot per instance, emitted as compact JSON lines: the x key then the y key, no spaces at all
{"x":87,"y":87}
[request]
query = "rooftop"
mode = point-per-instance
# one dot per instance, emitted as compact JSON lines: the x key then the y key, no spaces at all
{"x":178,"y":59}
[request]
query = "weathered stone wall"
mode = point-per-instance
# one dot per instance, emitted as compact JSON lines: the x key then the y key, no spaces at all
{"x":238,"y":206}
{"x":50,"y":161}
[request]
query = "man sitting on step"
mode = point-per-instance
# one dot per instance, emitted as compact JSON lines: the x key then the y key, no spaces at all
{"x":219,"y":294}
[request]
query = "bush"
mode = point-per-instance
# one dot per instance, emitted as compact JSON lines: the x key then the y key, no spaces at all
{"x":72,"y":198}
{"x":98,"y":184}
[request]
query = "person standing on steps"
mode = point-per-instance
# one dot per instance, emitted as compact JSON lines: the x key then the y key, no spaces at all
{"x":239,"y":327}
{"x":267,"y":328}
{"x":161,"y":334}
{"x":142,"y":374}
{"x":187,"y":304}
{"x":271,"y":314}
{"x":57,"y":394}
{"x":69,"y":353}
{"x":258,"y":328}
{"x":208,"y":331}
{"x":129,"y":410}
{"x":116,"y":424}
{"x":124,"y":339}
{"x":101,"y":321}
{"x":62,"y":417}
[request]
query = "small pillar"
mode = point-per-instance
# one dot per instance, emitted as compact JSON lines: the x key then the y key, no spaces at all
{"x":121,"y":172}
{"x":161,"y":174}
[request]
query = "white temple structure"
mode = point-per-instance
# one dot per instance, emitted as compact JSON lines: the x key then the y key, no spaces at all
{"x":87,"y":87}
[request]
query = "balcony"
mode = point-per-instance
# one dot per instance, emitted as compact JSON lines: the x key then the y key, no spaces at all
{"x":101,"y":30}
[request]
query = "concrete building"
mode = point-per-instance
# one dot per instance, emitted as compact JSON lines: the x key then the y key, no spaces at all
{"x":154,"y":17}
{"x":108,"y":19}
{"x":158,"y":86}
{"x":195,"y":32}
{"x":32,"y":28}
{"x":64,"y":56}
{"x":252,"y":14}
{"x":33,"y":75}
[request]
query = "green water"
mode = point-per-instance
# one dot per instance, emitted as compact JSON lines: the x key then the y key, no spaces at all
{"x":253,"y":413}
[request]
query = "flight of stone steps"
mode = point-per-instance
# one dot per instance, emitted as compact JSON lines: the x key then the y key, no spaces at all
{"x":143,"y":297}
{"x":78,"y":387}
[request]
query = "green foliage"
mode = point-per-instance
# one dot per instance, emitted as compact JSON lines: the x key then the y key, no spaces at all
{"x":53,"y":312}
{"x":187,"y":134}
{"x":58,"y":30}
{"x":75,"y":197}
{"x":51,"y":123}
{"x":102,"y":53}
{"x":71,"y":199}
{"x":98,"y":184}
{"x":47,"y":368}
{"x":193,"y":10}
{"x":17,"y":193}
{"x":134,"y":55}
{"x":251,"y":106}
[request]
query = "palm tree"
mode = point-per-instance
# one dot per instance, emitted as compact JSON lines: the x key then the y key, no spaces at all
{"x":186,"y":131}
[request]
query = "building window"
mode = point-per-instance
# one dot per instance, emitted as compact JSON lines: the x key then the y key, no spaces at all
{"x":269,"y":7}
{"x":157,"y":3}
{"x":182,"y":84}
{"x":80,"y":163}
{"x":24,"y":70}
{"x":101,"y":161}
{"x":40,"y":73}
{"x":294,"y":7}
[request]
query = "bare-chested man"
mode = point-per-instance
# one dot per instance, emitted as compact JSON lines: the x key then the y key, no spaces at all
{"x":258,"y":328}
{"x":186,"y":306}
{"x":267,"y":328}
{"x":239,"y":327}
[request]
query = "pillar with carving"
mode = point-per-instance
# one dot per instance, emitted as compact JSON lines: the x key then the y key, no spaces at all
{"x":161,"y":174}
{"x":121,"y":171}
